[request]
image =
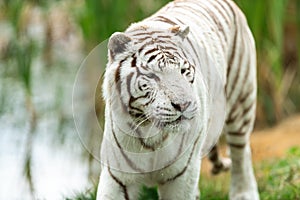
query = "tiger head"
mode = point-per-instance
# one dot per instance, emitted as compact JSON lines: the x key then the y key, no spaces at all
{"x":151,"y":77}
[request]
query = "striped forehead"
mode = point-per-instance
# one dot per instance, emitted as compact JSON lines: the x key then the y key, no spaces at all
{"x":146,"y":34}
{"x":156,"y":60}
{"x":153,"y":53}
{"x":149,"y":39}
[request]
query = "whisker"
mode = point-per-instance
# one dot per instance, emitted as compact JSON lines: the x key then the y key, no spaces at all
{"x":140,"y":121}
{"x":148,"y":133}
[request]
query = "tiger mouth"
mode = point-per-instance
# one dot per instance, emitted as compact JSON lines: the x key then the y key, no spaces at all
{"x":175,"y":122}
{"x":161,"y":124}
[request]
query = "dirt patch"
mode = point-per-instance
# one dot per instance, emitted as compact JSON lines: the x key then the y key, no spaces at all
{"x":275,"y":142}
{"x":270,"y":143}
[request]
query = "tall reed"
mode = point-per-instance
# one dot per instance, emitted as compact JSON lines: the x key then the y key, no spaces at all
{"x":268,"y":21}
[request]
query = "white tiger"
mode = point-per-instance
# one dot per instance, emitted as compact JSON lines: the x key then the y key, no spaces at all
{"x":166,"y":83}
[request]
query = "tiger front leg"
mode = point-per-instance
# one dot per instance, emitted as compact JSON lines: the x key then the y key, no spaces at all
{"x":183,"y":185}
{"x":243,"y":183}
{"x":111,"y":187}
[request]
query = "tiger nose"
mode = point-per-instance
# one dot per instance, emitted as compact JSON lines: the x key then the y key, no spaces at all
{"x":181,"y":106}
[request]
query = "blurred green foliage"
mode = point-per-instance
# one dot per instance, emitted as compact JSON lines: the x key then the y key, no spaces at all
{"x":276,"y":27}
{"x":98,"y":19}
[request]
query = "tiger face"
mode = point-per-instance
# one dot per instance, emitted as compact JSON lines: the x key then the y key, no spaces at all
{"x":154,"y":85}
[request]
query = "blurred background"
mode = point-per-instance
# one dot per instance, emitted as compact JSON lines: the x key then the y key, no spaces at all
{"x":43,"y":43}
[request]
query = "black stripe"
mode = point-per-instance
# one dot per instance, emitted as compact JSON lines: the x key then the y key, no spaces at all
{"x":216,"y":20}
{"x":236,"y":133}
{"x":144,"y":45}
{"x":225,"y":10}
{"x":146,"y":33}
{"x":234,"y":40}
{"x":150,"y":51}
{"x":164,"y":19}
{"x":163,"y":108}
{"x":152,"y":76}
{"x":118,"y":78}
{"x":128,"y":82}
{"x":247,"y":109}
{"x":151,"y":100}
{"x":141,"y":33}
{"x":246,"y":122}
{"x":238,"y":146}
{"x":220,"y":11}
{"x":122,"y":185}
{"x":231,"y":119}
{"x":169,"y":48}
{"x":152,"y":58}
{"x":164,"y":36}
{"x":138,"y":132}
{"x":242,"y":99}
{"x":185,"y":167}
{"x":129,"y":162}
{"x":157,"y":41}
{"x":213,"y":154}
{"x":236,"y":77}
{"x":118,"y":82}
{"x":230,"y":61}
{"x":135,"y":112}
{"x":165,"y":41}
{"x":143,"y":38}
{"x":133,"y":61}
{"x":239,"y":132}
{"x":132,"y":100}
{"x":232,"y":10}
{"x":118,"y":75}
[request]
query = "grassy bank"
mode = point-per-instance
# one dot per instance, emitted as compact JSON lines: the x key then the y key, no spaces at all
{"x":278,"y":179}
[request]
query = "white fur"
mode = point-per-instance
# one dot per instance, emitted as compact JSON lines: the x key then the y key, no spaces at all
{"x":122,"y":175}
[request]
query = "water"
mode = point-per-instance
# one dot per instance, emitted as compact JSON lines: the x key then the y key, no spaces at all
{"x":57,"y":172}
{"x":59,"y":165}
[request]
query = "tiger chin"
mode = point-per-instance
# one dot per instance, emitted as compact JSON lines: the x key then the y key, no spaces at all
{"x":173,"y":83}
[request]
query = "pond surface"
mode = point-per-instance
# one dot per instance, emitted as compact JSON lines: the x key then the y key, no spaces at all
{"x":59,"y":165}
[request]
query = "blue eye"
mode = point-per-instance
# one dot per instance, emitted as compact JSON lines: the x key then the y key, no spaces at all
{"x":143,"y":85}
{"x":188,"y":72}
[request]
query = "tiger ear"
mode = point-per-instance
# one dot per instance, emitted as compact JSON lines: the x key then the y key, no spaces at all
{"x":118,"y":43}
{"x":181,"y":31}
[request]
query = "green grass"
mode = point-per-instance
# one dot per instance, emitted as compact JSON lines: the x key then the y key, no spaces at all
{"x":88,"y":195}
{"x":277,"y":179}
{"x":280,"y":179}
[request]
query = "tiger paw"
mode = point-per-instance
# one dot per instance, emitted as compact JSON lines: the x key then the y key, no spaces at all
{"x":223,"y":165}
{"x":249,"y":195}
